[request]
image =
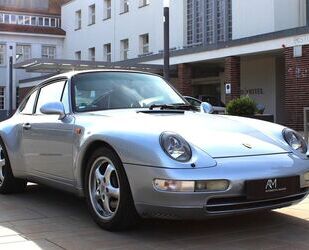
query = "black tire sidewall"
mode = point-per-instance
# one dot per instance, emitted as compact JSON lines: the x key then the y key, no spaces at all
{"x":126,"y":210}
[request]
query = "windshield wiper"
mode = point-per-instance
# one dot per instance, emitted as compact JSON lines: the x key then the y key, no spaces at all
{"x":177,"y":106}
{"x":161,"y":106}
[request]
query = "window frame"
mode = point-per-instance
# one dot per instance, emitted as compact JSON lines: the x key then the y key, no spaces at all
{"x":78,"y":19}
{"x":48,"y":54}
{"x":38,"y":89}
{"x":3,"y":64}
{"x":91,"y":14}
{"x":124,"y":51}
{"x":107,"y":11}
{"x":107,"y":55}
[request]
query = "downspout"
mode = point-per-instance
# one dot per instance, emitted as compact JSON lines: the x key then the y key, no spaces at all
{"x":307,"y":12}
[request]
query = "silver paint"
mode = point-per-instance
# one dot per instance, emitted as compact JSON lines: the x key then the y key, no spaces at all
{"x":44,"y":149}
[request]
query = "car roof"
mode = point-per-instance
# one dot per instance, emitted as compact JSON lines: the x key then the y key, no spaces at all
{"x":70,"y":74}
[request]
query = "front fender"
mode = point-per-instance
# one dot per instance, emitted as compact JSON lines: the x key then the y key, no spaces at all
{"x":137,"y":148}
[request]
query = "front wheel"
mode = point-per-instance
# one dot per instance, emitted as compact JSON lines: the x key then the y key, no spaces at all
{"x":8,"y":183}
{"x":108,"y":192}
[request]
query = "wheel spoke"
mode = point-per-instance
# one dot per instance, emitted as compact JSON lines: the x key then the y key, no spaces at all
{"x":99,"y":177}
{"x":113,"y":192}
{"x":107,"y":175}
{"x":106,"y":205}
{"x":2,"y":163}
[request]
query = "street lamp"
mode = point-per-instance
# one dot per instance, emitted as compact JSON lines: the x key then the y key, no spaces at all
{"x":10,"y":111}
{"x":166,"y":11}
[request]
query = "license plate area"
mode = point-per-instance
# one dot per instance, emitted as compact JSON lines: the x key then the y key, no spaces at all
{"x":272,"y":188}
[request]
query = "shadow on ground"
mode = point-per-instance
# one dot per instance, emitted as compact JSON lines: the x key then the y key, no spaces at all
{"x":44,"y":218}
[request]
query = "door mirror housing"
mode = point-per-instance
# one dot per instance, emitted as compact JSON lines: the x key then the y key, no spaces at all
{"x":207,"y":108}
{"x":53,"y":108}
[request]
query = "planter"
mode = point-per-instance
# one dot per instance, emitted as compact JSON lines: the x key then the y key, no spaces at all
{"x":264,"y":117}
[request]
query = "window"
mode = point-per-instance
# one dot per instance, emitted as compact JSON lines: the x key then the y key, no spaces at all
{"x":78,"y":55}
{"x":50,"y":93}
{"x":107,"y":9}
{"x":124,"y":6}
{"x":124,"y":49}
{"x":27,"y":108}
{"x":2,"y":54}
{"x":33,"y":21}
{"x":114,"y":90}
{"x":92,"y":14}
{"x":49,"y":52}
{"x":144,"y":44}
{"x":78,"y":20}
{"x":208,"y":21}
{"x":92,"y":54}
{"x":143,"y":3}
{"x":2,"y":98}
{"x":26,"y":20}
{"x":41,"y":21}
{"x":108,"y":52}
{"x":53,"y":22}
{"x":24,"y":52}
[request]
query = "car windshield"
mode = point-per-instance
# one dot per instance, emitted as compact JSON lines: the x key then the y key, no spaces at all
{"x":121,"y":90}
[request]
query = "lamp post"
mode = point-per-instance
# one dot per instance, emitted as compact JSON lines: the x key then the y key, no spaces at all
{"x":10,"y":113}
{"x":166,"y":67}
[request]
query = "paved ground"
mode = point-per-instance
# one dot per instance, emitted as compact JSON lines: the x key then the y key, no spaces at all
{"x":47,"y":219}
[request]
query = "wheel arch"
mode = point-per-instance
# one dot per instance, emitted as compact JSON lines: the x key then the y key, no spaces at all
{"x":87,"y":154}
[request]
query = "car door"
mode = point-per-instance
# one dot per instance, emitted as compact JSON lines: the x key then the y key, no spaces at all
{"x":47,"y":142}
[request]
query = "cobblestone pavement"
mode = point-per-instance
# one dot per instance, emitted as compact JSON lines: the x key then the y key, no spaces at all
{"x":43,"y":218}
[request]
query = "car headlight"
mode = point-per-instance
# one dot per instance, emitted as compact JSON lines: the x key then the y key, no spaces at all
{"x":175,"y":147}
{"x":295,"y":140}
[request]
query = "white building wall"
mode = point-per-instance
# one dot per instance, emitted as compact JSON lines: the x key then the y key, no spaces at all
{"x":131,"y":25}
{"x":252,"y":17}
{"x":36,"y":42}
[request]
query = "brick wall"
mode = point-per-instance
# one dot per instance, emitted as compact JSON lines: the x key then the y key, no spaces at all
{"x":232,"y":76}
{"x":184,"y":85}
{"x":296,"y":87}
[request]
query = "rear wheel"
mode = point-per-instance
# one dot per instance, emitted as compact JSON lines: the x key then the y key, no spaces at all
{"x":8,"y":183}
{"x":108,"y":192}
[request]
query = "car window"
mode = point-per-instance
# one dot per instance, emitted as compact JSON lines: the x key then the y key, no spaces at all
{"x":194,"y":102}
{"x":121,"y":90}
{"x":65,"y":99}
{"x":50,"y":93}
{"x":27,"y":109}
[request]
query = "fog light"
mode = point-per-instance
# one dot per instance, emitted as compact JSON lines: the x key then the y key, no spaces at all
{"x":213,"y":185}
{"x":174,"y":186}
{"x":190,"y":186}
{"x":306,"y":177}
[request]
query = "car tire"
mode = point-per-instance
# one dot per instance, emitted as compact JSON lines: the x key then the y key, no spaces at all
{"x":108,"y":192}
{"x":8,"y":183}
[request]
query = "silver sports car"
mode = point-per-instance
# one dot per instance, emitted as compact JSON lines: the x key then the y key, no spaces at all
{"x":134,"y":147}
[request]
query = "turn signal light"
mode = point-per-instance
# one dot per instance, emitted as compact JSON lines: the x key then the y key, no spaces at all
{"x":190,"y":186}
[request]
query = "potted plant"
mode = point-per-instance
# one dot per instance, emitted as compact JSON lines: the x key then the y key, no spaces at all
{"x":243,"y":106}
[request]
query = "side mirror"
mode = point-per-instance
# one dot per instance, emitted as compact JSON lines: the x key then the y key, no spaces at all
{"x":207,"y":108}
{"x":53,"y":108}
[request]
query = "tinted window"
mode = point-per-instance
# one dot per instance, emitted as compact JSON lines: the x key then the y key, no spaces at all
{"x":50,"y":93}
{"x":27,"y":109}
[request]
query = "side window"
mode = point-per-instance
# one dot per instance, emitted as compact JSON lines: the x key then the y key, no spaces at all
{"x":65,"y":98}
{"x":50,"y":93}
{"x":27,"y":109}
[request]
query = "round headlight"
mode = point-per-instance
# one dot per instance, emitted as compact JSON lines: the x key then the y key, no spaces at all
{"x":295,"y":140}
{"x":175,"y":147}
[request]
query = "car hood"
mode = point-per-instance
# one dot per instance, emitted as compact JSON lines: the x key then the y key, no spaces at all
{"x":219,"y":136}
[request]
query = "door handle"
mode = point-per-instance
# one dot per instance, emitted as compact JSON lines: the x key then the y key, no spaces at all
{"x":26,"y":126}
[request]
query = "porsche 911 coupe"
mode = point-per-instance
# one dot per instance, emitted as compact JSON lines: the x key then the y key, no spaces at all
{"x":134,"y":147}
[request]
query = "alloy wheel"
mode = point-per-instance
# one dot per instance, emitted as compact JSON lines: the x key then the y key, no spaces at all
{"x":104,"y":188}
{"x":2,"y":164}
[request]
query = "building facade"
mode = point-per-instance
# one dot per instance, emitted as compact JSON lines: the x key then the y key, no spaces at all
{"x":28,"y":29}
{"x":260,"y":48}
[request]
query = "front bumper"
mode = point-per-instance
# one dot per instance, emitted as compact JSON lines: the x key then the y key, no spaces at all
{"x":196,"y":205}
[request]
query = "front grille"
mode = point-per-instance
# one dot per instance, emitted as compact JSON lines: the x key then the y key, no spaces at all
{"x":234,"y":204}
